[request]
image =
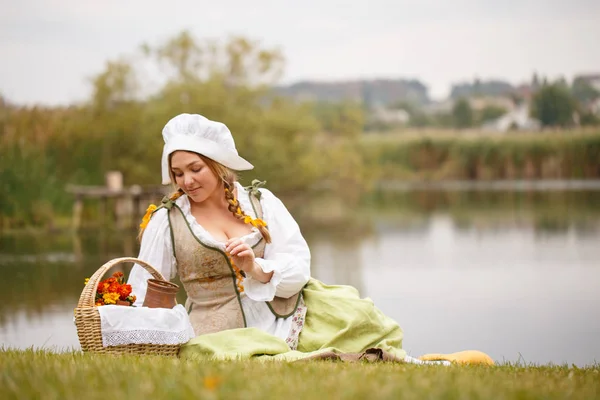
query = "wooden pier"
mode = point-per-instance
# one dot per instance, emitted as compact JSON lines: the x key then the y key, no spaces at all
{"x":128,"y":203}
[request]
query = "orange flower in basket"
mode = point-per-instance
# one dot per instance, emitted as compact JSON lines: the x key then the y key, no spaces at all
{"x":103,"y":287}
{"x":124,"y":291}
{"x":112,"y":289}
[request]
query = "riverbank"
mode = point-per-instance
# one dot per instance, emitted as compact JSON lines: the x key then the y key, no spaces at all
{"x":547,"y":198}
{"x":474,"y":155}
{"x":47,"y":375}
{"x":355,"y":167}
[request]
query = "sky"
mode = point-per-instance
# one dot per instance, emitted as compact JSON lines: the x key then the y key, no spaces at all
{"x":51,"y":48}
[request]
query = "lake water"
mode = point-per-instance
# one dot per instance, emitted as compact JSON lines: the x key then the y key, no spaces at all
{"x":513,"y":273}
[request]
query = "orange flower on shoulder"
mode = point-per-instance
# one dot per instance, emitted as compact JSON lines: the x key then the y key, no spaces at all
{"x":151,"y":208}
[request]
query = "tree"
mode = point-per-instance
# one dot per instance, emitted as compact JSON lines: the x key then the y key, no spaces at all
{"x":535,"y":82}
{"x":490,"y":113}
{"x":462,"y":114}
{"x":114,"y":86}
{"x":553,"y":105}
{"x":238,"y":61}
{"x":588,"y":118}
{"x":344,"y":119}
{"x":583,"y":91}
{"x":119,"y":127}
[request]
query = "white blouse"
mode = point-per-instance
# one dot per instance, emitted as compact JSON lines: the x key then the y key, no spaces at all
{"x":288,"y":256}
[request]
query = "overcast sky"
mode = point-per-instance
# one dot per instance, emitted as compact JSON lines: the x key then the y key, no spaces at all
{"x":50,"y":48}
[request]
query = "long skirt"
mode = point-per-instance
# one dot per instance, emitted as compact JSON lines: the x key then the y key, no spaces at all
{"x":338,"y":325}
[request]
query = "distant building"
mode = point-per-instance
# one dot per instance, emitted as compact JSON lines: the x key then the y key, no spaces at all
{"x":594,"y":106}
{"x":438,"y":107}
{"x":491,"y":88}
{"x":525,"y":92}
{"x":591,"y":79}
{"x":517,"y":119}
{"x":480,"y":102}
{"x":368,"y":92}
{"x":391,"y":116}
{"x":590,"y":99}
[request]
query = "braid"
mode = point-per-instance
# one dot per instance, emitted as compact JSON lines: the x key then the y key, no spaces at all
{"x":236,"y":210}
{"x":176,"y":195}
{"x":228,"y":176}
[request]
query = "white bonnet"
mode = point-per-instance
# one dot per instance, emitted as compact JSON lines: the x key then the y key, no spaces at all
{"x":193,"y":132}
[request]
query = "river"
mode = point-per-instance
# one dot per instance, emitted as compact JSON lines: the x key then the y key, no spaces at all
{"x":514,"y":273}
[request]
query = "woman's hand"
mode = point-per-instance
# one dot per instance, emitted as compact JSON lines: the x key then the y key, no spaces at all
{"x":241,"y":253}
{"x":243,"y":257}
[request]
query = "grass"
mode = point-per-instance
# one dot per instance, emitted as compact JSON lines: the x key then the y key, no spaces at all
{"x":42,"y":374}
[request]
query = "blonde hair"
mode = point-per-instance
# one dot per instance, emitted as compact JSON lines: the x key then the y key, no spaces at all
{"x":228,"y":177}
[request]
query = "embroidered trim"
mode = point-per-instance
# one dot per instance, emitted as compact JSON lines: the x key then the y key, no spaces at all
{"x":119,"y":338}
{"x":297,"y":325}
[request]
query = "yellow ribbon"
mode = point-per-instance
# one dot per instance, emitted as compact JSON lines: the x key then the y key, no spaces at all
{"x":151,"y":208}
{"x":254,"y":222}
{"x":258,"y":222}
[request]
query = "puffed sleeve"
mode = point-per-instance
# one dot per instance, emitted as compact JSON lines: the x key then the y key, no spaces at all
{"x":288,"y":255}
{"x":156,"y":250}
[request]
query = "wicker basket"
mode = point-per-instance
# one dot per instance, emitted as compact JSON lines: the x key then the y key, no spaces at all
{"x":87,"y":317}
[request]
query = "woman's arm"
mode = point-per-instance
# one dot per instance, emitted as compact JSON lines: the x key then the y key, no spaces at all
{"x":156,"y":250}
{"x":287,"y":257}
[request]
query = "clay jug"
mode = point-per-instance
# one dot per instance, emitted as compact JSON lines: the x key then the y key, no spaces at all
{"x":160,"y":294}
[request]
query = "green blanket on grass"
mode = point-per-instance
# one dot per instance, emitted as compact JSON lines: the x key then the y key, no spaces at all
{"x":337,"y":320}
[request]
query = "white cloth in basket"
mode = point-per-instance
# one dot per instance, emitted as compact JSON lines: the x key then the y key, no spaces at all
{"x":143,"y":325}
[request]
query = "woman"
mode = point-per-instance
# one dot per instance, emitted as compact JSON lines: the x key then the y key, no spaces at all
{"x":244,"y":263}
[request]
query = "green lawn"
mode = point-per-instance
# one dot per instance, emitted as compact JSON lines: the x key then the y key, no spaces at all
{"x":36,"y":374}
